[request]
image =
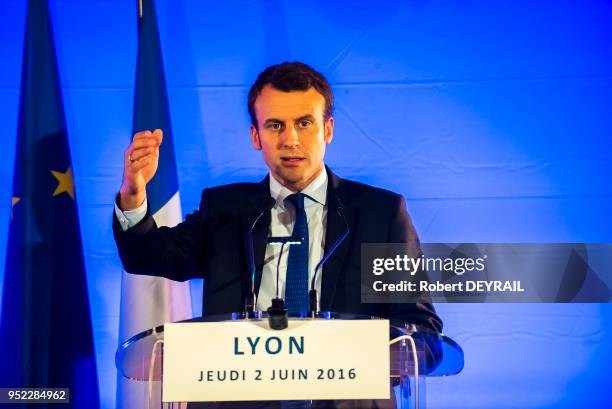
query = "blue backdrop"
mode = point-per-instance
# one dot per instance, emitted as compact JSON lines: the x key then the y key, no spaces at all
{"x":493,"y":119}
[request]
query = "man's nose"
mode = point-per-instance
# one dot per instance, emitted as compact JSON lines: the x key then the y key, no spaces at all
{"x":290,"y":137}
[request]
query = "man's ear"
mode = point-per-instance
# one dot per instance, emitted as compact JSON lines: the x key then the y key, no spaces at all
{"x":329,"y":130}
{"x":255,"y":138}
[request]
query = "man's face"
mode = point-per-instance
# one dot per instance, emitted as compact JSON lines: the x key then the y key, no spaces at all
{"x":292,"y":134}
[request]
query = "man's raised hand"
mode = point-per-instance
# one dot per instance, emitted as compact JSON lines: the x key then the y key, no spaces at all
{"x":139,"y":166}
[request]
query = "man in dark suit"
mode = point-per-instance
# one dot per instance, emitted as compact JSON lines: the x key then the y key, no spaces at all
{"x":291,"y":111}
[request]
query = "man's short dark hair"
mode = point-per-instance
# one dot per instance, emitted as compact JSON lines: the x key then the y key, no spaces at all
{"x":291,"y":76}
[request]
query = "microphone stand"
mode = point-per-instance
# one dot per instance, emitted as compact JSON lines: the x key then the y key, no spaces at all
{"x":313,"y":296}
{"x":250,"y":302}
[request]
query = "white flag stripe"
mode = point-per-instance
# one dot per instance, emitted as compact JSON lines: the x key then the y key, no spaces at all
{"x":170,"y":213}
{"x":147,"y":302}
{"x":150,"y":301}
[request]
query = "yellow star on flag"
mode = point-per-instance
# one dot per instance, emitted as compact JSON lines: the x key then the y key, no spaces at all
{"x":14,"y":201}
{"x":66,"y":184}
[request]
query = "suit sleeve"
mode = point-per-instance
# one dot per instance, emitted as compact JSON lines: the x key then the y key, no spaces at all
{"x":401,"y":230}
{"x":177,"y":253}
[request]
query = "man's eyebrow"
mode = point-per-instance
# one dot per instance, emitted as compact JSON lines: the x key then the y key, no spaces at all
{"x":273,"y":120}
{"x":307,"y":116}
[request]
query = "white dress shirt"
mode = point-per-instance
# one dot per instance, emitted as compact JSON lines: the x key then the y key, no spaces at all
{"x":283,"y":218}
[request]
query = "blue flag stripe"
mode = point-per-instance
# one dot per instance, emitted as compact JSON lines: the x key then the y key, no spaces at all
{"x":151,"y":109}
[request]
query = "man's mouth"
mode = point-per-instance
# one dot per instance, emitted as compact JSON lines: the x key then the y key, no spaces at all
{"x":292,"y":160}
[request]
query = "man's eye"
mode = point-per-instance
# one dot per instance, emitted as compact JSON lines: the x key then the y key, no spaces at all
{"x":275,"y":126}
{"x":305,"y":123}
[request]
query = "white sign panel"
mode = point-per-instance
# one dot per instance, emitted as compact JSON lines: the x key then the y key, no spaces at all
{"x":237,"y":361}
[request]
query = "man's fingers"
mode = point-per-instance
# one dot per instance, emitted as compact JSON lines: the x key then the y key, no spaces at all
{"x":143,"y":143}
{"x":131,"y":152}
{"x":143,"y":150}
{"x":137,"y":165}
{"x":137,"y":154}
{"x":148,"y":144}
{"x":142,"y":134}
{"x":158,"y":135}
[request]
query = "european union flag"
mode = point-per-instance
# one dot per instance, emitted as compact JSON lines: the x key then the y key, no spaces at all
{"x":45,"y":332}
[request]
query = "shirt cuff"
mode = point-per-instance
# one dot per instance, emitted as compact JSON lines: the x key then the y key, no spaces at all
{"x":131,"y":218}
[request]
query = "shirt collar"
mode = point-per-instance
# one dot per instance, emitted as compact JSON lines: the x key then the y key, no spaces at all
{"x":316,"y":191}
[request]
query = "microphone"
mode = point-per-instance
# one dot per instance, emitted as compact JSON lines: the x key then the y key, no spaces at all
{"x":250,"y":303}
{"x":313,"y":296}
{"x":278,"y":317}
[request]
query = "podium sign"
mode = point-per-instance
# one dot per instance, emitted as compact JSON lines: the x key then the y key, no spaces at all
{"x":310,"y":360}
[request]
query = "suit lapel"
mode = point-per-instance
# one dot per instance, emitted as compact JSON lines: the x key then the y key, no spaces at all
{"x":338,"y":202}
{"x":260,"y":236}
{"x":257,"y":202}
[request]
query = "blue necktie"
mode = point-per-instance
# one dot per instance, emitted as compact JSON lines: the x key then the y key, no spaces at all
{"x":296,"y":287}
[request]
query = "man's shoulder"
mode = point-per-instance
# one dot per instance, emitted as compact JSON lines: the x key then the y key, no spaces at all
{"x":233,"y":195}
{"x":234,"y":188}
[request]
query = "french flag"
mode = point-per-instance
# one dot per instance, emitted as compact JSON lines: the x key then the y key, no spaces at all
{"x":150,"y":301}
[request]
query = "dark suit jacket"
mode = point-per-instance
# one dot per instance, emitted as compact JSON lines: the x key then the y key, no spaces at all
{"x":212,"y":243}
